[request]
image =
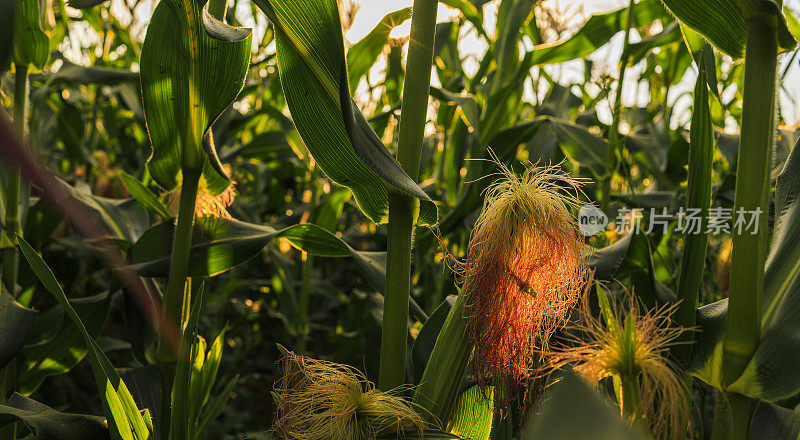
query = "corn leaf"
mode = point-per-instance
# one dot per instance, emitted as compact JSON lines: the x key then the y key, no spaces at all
{"x":469,"y":108}
{"x":179,"y":427}
{"x":511,"y":18}
{"x":792,"y":22}
{"x":363,"y":54}
{"x":470,"y":12}
{"x":121,"y":219}
{"x":770,"y":375}
{"x":73,"y":74}
{"x":84,"y":4}
{"x":442,"y":377}
{"x":698,"y":196}
{"x":606,"y":261}
{"x":580,"y":145}
{"x":772,"y":421}
{"x":637,"y":265}
{"x":124,"y":419}
{"x":145,"y":386}
{"x":776,"y":351}
{"x":635,"y":52}
{"x":144,"y":196}
{"x":722,"y":22}
{"x":215,"y":407}
{"x":45,"y":423}
{"x":706,"y":359}
{"x":313,"y":72}
{"x":575,"y":411}
{"x":425,"y":435}
{"x":31,"y":43}
{"x":219,"y":244}
{"x":204,"y":374}
{"x":426,"y":338}
{"x":192,"y":68}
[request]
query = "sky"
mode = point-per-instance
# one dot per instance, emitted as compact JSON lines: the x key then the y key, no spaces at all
{"x":372,"y":11}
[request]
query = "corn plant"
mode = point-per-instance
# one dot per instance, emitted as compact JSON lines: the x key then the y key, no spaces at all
{"x":251,"y":226}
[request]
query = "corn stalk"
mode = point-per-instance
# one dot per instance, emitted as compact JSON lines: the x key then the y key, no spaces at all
{"x":404,"y":209}
{"x":743,"y":332}
{"x":8,"y":376}
{"x":11,"y":223}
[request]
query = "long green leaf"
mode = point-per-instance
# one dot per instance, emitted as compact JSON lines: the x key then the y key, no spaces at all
{"x":179,"y":427}
{"x":314,"y":75}
{"x":772,"y":421}
{"x":219,"y":244}
{"x":722,"y":22}
{"x":470,"y":11}
{"x":215,"y":407}
{"x":770,"y":375}
{"x":425,"y":435}
{"x":426,"y":338}
{"x":192,"y":68}
{"x":124,"y":419}
{"x":706,"y":359}
{"x":698,"y":196}
{"x":144,"y":195}
{"x":63,"y":351}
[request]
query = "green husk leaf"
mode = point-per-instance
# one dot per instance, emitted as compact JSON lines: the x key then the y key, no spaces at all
{"x":473,"y":414}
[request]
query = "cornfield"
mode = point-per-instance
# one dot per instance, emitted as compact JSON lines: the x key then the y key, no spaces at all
{"x":465,"y":219}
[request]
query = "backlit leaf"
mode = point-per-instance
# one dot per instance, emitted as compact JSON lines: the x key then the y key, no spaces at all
{"x":192,"y":68}
{"x":722,"y":22}
{"x":314,"y":76}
